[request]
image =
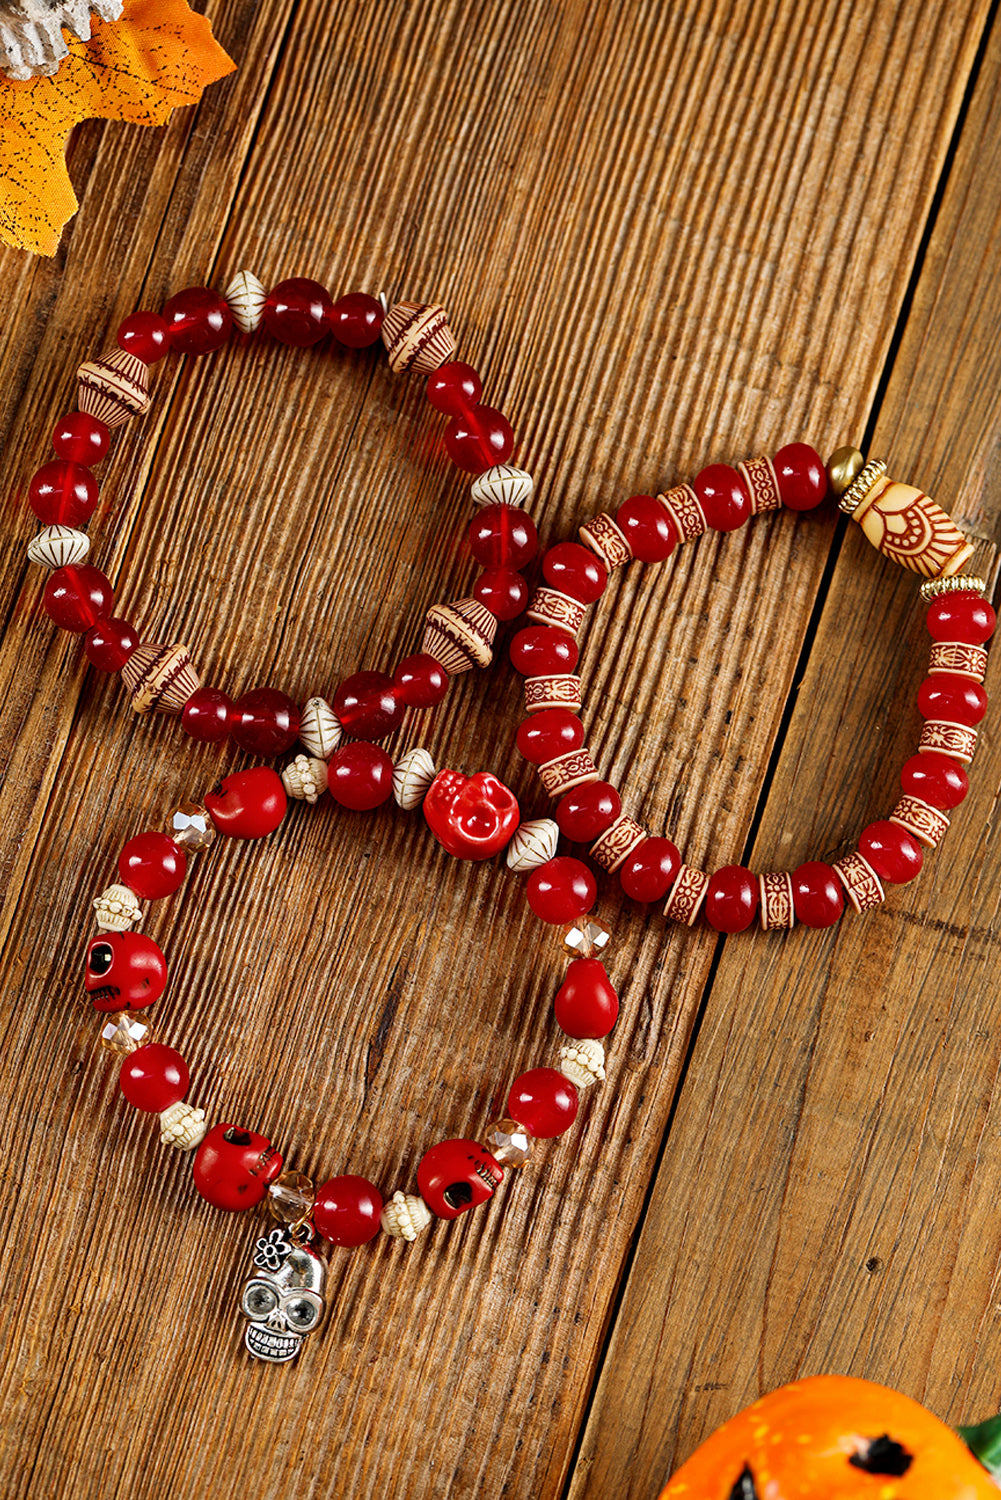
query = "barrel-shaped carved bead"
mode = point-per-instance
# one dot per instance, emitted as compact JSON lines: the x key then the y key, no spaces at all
{"x":958,"y":659}
{"x":606,"y":541}
{"x":550,"y":607}
{"x":775,"y":906}
{"x":906,"y":525}
{"x":58,"y":547}
{"x":502,"y":485}
{"x":305,"y":778}
{"x":685,"y":898}
{"x":417,"y":337}
{"x":113,"y":387}
{"x":861,"y":883}
{"x":925,"y":823}
{"x":460,"y":635}
{"x":117,"y":909}
{"x":684,"y":511}
{"x":246,"y":297}
{"x":941,"y":738}
{"x":761,"y":484}
{"x":561,"y":775}
{"x":583,"y":1062}
{"x":561,"y":691}
{"x":160,"y":677}
{"x":617,"y":842}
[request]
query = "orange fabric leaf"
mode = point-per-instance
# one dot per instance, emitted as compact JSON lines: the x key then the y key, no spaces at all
{"x":157,"y":56}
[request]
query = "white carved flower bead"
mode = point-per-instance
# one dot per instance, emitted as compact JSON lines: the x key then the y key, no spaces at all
{"x":583,"y":1062}
{"x":502,"y":485}
{"x":182,"y":1126}
{"x":533,"y":844}
{"x":305,"y":778}
{"x":117,"y":909}
{"x":58,"y":547}
{"x":404,"y":1216}
{"x":320,"y":729}
{"x":412,"y":775}
{"x":246,"y":297}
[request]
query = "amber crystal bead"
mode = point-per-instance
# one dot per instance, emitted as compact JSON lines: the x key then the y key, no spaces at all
{"x":264,"y":721}
{"x":367,"y":706}
{"x":298,"y":312}
{"x":586,"y":938}
{"x":291,"y":1197}
{"x":123,"y":1033}
{"x":190,"y":827}
{"x":508,"y":1142}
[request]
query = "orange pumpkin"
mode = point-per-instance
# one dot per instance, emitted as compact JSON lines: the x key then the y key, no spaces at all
{"x":835,"y":1438}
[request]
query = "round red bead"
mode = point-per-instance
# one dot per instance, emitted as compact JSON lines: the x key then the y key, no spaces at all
{"x":936,"y":779}
{"x":502,"y":591}
{"x":552,"y":732}
{"x":153,"y":1078}
{"x":264,"y":721}
{"x":586,"y":811}
{"x":206,"y":715}
{"x":198,"y":320}
{"x":818,"y":897}
{"x":81,"y":437}
{"x":724,"y":500}
{"x":503,"y":536}
{"x":650,"y":871}
{"x":543,"y":1101}
{"x":367,"y":706}
{"x":454,"y":388}
{"x":539,"y":650}
{"x":356,"y":320}
{"x":647,"y":528}
{"x":347,"y":1210}
{"x":561,"y":890}
{"x":62,"y":493}
{"x":76,"y":597}
{"x":420,"y":681}
{"x":144,"y":334}
{"x":961,"y":617}
{"x":586,"y":1005}
{"x":891,"y":851}
{"x":574,"y":570}
{"x":801,"y":475}
{"x":732,"y":899}
{"x":248,"y":804}
{"x":152,"y":865}
{"x":298,"y":312}
{"x":479,"y":439}
{"x":109,"y":644}
{"x":360,"y":776}
{"x":958,"y":700}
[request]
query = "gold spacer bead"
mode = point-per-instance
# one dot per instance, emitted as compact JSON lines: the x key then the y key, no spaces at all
{"x":843,"y":466}
{"x":861,"y":485}
{"x":959,"y":583}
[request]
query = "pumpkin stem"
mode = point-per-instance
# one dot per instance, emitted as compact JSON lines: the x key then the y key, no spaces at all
{"x":984,"y":1442}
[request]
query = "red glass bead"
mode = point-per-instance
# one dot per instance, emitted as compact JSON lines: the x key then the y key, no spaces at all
{"x":264,"y":721}
{"x":958,"y":700}
{"x":893,"y":853}
{"x":144,"y":334}
{"x":360,"y":776}
{"x":479,"y":439}
{"x":543,"y":1101}
{"x":575,"y":570}
{"x":198,"y":320}
{"x":540,"y":651}
{"x":586,"y":1005}
{"x":650,"y":871}
{"x":552,"y":732}
{"x":154,"y":1077}
{"x":818,"y":897}
{"x":298,"y":312}
{"x":732,"y":899}
{"x":367,"y":706}
{"x":233,"y":1167}
{"x":502,"y":591}
{"x":801,"y":475}
{"x":936,"y":779}
{"x":62,"y":493}
{"x":81,"y":437}
{"x":502,"y":536}
{"x":723,"y":498}
{"x":420,"y":681}
{"x":109,"y":644}
{"x":560,"y":891}
{"x":152,"y":865}
{"x":961,"y":617}
{"x":587,"y":810}
{"x":247,"y":804}
{"x":347,"y":1210}
{"x":356,"y":320}
{"x":77,"y":596}
{"x":647,"y":528}
{"x":454,"y":388}
{"x":205,"y":716}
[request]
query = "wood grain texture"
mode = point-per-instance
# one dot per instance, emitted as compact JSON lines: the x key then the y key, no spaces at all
{"x":659,"y":234}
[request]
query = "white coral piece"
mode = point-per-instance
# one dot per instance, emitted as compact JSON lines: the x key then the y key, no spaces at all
{"x":31,"y":33}
{"x":404,"y":1216}
{"x":116,"y":909}
{"x":533,"y":844}
{"x":412,"y":775}
{"x":583,"y":1062}
{"x":182,"y":1126}
{"x":246,"y":297}
{"x":320,"y":729}
{"x":502,"y":485}
{"x":305,"y":778}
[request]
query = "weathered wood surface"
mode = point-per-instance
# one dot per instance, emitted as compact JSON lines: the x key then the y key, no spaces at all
{"x":667,"y":236}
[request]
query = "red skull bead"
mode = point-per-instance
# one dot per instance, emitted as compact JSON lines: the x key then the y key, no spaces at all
{"x":233,"y":1167}
{"x":456,"y":1175}
{"x":125,"y":971}
{"x":472,"y":817}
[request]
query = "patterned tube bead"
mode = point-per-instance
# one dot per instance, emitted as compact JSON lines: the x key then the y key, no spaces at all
{"x":616,"y":844}
{"x":550,"y":607}
{"x":860,"y":881}
{"x":941,"y":738}
{"x":959,"y":659}
{"x":906,"y":525}
{"x":685,"y":898}
{"x":576,"y":768}
{"x":606,"y":541}
{"x":561,"y":691}
{"x":761,"y":484}
{"x":776,"y":908}
{"x":684,"y":512}
{"x":925,"y":823}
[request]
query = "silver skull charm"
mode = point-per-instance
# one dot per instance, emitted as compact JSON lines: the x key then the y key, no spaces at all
{"x":283,"y":1300}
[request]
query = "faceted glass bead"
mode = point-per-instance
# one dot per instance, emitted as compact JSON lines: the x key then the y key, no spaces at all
{"x":356,"y":320}
{"x":145,"y":335}
{"x":479,"y":439}
{"x":586,"y":938}
{"x":298,"y":312}
{"x":891,"y":851}
{"x":153,"y":1078}
{"x":544,"y":736}
{"x":647,"y":528}
{"x":502,"y":536}
{"x":541,"y":651}
{"x":360,"y":776}
{"x":420,"y":681}
{"x":206,"y":715}
{"x":936,"y":779}
{"x":508,"y":1142}
{"x":367,"y":706}
{"x":952,"y":617}
{"x":574,"y":570}
{"x":724,"y":500}
{"x":502,"y":591}
{"x":124,"y":1033}
{"x":650,"y":871}
{"x":152,"y":865}
{"x":264,"y":721}
{"x":562,"y":890}
{"x":958,"y":700}
{"x":81,"y":438}
{"x":454,"y":388}
{"x":586,"y":811}
{"x":62,"y":493}
{"x":801,"y":475}
{"x":76,"y":597}
{"x":109,"y":644}
{"x":198,"y":320}
{"x":190,"y":827}
{"x":291,"y":1197}
{"x":818,"y":896}
{"x":545,"y":1100}
{"x":732,"y":899}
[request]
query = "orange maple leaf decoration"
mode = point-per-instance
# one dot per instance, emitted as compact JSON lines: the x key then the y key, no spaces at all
{"x":157,"y":56}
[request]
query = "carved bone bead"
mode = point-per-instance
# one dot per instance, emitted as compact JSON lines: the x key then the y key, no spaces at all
{"x":460,"y":635}
{"x":776,"y":908}
{"x":685,"y":898}
{"x":957,"y":658}
{"x":319,"y":729}
{"x":583,"y":1062}
{"x":550,"y":607}
{"x":32,"y":44}
{"x":925,"y":823}
{"x":606,"y":541}
{"x":561,"y":775}
{"x":534,"y":844}
{"x":561,"y":691}
{"x":117,"y":909}
{"x":58,"y":547}
{"x":404,"y":1216}
{"x":246,"y":297}
{"x":305,"y":778}
{"x":417,"y":337}
{"x":907,"y":525}
{"x":114,"y":387}
{"x":938,"y":737}
{"x":412,"y":775}
{"x":182,"y":1126}
{"x":761,"y":484}
{"x":160,"y":677}
{"x":684,"y":512}
{"x":861,"y":883}
{"x":617,"y":842}
{"x":502,"y":485}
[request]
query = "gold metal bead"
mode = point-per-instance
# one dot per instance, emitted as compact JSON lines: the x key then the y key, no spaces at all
{"x":861,"y":485}
{"x":843,"y":466}
{"x":959,"y":583}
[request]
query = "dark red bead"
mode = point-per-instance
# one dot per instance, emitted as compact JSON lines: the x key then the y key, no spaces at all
{"x":247,"y":804}
{"x":62,"y":493}
{"x":144,"y":334}
{"x":539,"y":651}
{"x":502,"y":536}
{"x":152,"y":865}
{"x":454,"y":388}
{"x":198,"y":320}
{"x":264,"y":721}
{"x":347,"y":1210}
{"x":561,"y":890}
{"x":586,"y":811}
{"x":647,"y":528}
{"x":891,"y":851}
{"x":575,"y":570}
{"x":552,"y":732}
{"x":153,"y":1078}
{"x":818,"y":897}
{"x":356,"y":320}
{"x":650,"y":871}
{"x":420,"y":681}
{"x":732,"y":899}
{"x":543,"y":1101}
{"x":360,"y":776}
{"x":586,"y":1005}
{"x":958,"y":700}
{"x":109,"y":644}
{"x":77,"y":596}
{"x":206,"y":715}
{"x":479,"y":439}
{"x":936,"y":779}
{"x":367,"y":706}
{"x":724,"y":500}
{"x":801,"y":475}
{"x":502,"y":591}
{"x":298,"y":312}
{"x":961,"y":617}
{"x":80,"y":437}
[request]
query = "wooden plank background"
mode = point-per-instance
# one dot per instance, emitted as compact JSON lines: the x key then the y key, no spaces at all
{"x":666,"y":235}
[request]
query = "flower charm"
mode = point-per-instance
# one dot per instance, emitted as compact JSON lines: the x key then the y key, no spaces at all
{"x":272,"y":1250}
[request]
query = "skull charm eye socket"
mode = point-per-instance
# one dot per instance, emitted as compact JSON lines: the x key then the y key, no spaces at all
{"x":283,"y":1301}
{"x":101,"y":958}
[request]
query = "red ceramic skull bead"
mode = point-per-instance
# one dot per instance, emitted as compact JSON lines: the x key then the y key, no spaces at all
{"x":472,"y":817}
{"x":233,"y":1167}
{"x":125,"y":971}
{"x":456,"y":1175}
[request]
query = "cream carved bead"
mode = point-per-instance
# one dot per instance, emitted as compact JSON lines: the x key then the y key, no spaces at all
{"x":319,"y":729}
{"x":160,"y":677}
{"x":958,"y":659}
{"x":502,"y":485}
{"x":761,"y":484}
{"x":58,"y":547}
{"x":583,"y":1062}
{"x":405,"y":1216}
{"x":562,"y":774}
{"x":460,"y":635}
{"x":606,"y":541}
{"x":684,"y":512}
{"x":32,"y":44}
{"x":417,"y":337}
{"x":940,"y":737}
{"x":412,"y":775}
{"x":117,"y":909}
{"x":534,"y":844}
{"x":776,"y":907}
{"x":685,"y":898}
{"x":182,"y":1126}
{"x":246,"y":297}
{"x":612,"y":848}
{"x":114,"y":387}
{"x":925,"y":823}
{"x":560,"y":691}
{"x":305,"y":778}
{"x":550,"y":607}
{"x":906,"y":525}
{"x":861,"y":883}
